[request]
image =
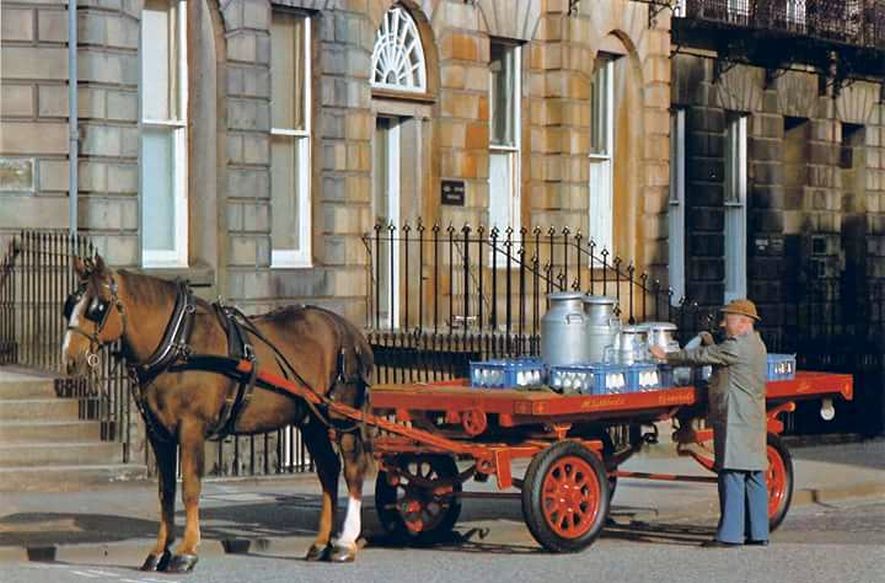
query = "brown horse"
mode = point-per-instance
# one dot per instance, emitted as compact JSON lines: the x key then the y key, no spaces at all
{"x":182,"y":405}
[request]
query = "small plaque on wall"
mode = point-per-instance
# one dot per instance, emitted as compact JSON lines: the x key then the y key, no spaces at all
{"x":453,"y":192}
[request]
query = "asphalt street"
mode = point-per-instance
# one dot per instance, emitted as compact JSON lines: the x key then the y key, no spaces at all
{"x":839,"y":542}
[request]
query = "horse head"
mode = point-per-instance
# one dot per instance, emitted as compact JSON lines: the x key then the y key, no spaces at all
{"x":94,"y":314}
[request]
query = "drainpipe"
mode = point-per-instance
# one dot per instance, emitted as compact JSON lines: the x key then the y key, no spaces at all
{"x":73,"y":129}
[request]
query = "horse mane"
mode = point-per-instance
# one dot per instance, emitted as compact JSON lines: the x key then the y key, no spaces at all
{"x":146,"y":289}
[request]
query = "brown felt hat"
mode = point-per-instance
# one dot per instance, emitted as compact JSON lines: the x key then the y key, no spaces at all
{"x":742,"y":307}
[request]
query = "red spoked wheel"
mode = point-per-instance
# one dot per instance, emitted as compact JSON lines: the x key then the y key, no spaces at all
{"x":565,"y":497}
{"x":420,"y":504}
{"x":780,"y":481}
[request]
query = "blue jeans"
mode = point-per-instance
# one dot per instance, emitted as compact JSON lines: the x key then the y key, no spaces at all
{"x":743,"y":506}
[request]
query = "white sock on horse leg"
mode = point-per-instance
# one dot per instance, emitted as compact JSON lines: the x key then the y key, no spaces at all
{"x":352,"y":526}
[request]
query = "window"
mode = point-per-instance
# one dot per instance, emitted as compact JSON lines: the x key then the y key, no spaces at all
{"x":602,"y":119}
{"x":164,"y":134}
{"x":676,"y":210}
{"x":290,"y":140}
{"x":504,"y":133}
{"x":796,"y":14}
{"x":398,"y":56}
{"x":735,"y":207}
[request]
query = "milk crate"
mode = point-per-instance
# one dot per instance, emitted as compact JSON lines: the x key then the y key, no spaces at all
{"x":589,"y":379}
{"x":643,"y":376}
{"x":501,"y":373}
{"x":781,"y":367}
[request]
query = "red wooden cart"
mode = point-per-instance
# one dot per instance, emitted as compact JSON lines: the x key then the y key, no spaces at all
{"x":573,"y":465}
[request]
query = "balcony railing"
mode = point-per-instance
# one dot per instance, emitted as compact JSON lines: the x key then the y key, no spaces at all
{"x":854,"y":22}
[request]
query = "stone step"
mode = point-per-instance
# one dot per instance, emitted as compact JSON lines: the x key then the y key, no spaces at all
{"x":68,"y":477}
{"x":48,"y":454}
{"x":28,"y":389}
{"x":42,"y":409}
{"x":49,"y":431}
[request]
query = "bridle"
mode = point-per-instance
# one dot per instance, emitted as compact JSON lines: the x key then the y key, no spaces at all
{"x":96,"y":312}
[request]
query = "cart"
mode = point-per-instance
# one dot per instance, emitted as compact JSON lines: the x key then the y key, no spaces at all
{"x":573,"y":464}
{"x":424,"y":429}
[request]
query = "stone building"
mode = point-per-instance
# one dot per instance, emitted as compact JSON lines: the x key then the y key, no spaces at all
{"x":778,"y":175}
{"x":249,"y":144}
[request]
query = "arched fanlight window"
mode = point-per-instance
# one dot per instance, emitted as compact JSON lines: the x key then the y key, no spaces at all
{"x":398,"y":57}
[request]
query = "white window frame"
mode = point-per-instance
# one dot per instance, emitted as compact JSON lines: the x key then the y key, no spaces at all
{"x":796,"y":13}
{"x":601,"y":174}
{"x":503,"y":204}
{"x":739,"y":7}
{"x":679,"y":8}
{"x":392,"y":143}
{"x":301,"y":257}
{"x":177,"y":257}
{"x":391,"y":54}
{"x":676,"y":206}
{"x":735,"y":207}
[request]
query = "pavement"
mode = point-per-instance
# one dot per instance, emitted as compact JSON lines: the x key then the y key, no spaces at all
{"x":247,"y":515}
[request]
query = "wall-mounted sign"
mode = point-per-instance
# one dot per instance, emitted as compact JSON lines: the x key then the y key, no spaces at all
{"x":453,"y":192}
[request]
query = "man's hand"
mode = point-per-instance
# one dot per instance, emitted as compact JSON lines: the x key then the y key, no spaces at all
{"x":658,"y":352}
{"x":706,"y":338}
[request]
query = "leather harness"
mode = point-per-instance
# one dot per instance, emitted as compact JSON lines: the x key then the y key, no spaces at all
{"x":174,"y":354}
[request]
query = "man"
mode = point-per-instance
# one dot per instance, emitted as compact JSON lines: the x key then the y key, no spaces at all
{"x":737,"y":414}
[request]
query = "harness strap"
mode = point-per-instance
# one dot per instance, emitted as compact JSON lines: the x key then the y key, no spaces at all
{"x":239,"y":394}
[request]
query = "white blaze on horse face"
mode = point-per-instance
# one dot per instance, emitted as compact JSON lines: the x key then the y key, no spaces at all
{"x":351,"y":530}
{"x":73,"y":323}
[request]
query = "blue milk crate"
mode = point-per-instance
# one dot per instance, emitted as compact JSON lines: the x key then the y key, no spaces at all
{"x":675,"y":376}
{"x":501,"y":373}
{"x":781,"y":367}
{"x":589,"y":379}
{"x":643,"y":376}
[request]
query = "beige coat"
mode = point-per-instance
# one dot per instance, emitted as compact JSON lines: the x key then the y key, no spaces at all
{"x":736,"y":399}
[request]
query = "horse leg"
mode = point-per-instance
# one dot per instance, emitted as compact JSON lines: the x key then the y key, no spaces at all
{"x":355,"y":466}
{"x":164,"y":454}
{"x":316,"y":438}
{"x":192,"y":450}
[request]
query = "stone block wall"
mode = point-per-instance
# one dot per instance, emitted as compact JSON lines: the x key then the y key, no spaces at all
{"x":795,"y":230}
{"x":33,"y":116}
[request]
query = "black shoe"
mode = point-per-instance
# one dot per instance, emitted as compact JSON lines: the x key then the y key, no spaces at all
{"x":757,"y":543}
{"x":718,"y":544}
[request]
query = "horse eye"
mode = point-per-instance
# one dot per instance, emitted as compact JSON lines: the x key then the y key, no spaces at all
{"x":70,"y":304}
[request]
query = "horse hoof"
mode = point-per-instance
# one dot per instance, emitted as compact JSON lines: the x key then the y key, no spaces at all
{"x":343,"y":554}
{"x":156,"y":562}
{"x":183,"y":563}
{"x":318,"y":553}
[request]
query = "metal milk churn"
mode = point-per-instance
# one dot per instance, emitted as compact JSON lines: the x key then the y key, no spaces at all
{"x":629,"y":346}
{"x":661,"y":334}
{"x":601,"y":325}
{"x":563,"y":340}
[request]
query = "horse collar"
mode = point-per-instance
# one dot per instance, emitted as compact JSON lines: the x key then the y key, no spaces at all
{"x":174,"y":344}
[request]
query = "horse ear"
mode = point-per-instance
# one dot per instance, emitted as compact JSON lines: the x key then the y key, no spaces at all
{"x":79,"y":267}
{"x":99,"y":265}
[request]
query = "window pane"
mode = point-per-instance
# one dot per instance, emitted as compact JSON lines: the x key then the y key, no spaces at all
{"x":500,"y":189}
{"x":600,"y":107}
{"x":502,"y":68}
{"x":158,"y":189}
{"x":287,"y":63}
{"x":285,"y":184}
{"x":601,"y":203}
{"x":158,"y":61}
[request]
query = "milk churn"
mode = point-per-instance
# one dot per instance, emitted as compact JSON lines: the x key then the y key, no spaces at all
{"x":629,"y":346}
{"x":563,"y":339}
{"x":661,"y":334}
{"x":602,"y":325}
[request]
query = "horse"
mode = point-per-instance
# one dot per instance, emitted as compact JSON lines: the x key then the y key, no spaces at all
{"x":165,"y":332}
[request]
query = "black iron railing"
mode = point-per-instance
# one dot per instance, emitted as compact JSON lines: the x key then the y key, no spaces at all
{"x":37,"y":274}
{"x":855,"y":22}
{"x":442,"y":296}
